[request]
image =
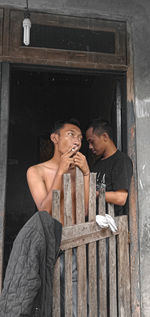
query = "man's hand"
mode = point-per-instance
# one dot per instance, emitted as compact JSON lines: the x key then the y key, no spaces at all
{"x":65,"y":162}
{"x":81,"y":162}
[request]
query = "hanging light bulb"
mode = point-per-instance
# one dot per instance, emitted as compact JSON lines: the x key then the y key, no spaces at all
{"x":26,"y":26}
{"x":26,"y":32}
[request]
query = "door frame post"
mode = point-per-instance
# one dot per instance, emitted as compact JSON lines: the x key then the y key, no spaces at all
{"x":133,"y":198}
{"x":4,"y":122}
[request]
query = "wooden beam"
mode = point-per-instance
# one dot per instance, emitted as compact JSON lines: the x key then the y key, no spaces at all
{"x":92,"y":259}
{"x":56,"y":284}
{"x":133,"y":202}
{"x":4,"y":120}
{"x":68,"y":253}
{"x":81,"y":250}
{"x":83,"y":234}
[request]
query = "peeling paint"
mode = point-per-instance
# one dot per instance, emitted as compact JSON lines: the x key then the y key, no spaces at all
{"x":143,"y":108}
{"x":141,"y":184}
{"x":143,"y":168}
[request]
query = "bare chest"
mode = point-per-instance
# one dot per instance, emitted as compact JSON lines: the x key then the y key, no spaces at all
{"x":49,"y":179}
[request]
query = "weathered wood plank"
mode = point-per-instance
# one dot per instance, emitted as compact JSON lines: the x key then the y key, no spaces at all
{"x":81,"y":251}
{"x":118,"y":115}
{"x":1,"y":29}
{"x":102,"y":279}
{"x":92,"y":197}
{"x":82,"y":281}
{"x":101,"y":202}
{"x":68,"y":253}
{"x":80,"y":208}
{"x":67,"y":201}
{"x":68,"y":283}
{"x":6,"y":31}
{"x":133,"y":197}
{"x":102,"y":263}
{"x":112,"y":270}
{"x":56,"y":289}
{"x":4,"y":121}
{"x":92,"y":280}
{"x":56,"y":280}
{"x":123,"y":268}
{"x":56,"y":204}
{"x":92,"y":267}
{"x":82,"y":239}
{"x":83,"y":230}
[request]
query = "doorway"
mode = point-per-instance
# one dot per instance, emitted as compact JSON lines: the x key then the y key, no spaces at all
{"x":39,"y":97}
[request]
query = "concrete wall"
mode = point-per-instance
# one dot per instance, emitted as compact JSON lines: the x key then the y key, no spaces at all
{"x":138,"y":12}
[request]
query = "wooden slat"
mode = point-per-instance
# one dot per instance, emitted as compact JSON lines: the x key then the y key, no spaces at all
{"x":83,"y":230}
{"x":67,"y":201}
{"x":102,"y":263}
{"x":95,"y":235}
{"x":56,"y":289}
{"x":92,"y":280}
{"x":56,"y":280}
{"x":92,"y":271}
{"x":68,"y":283}
{"x":123,"y":268}
{"x":80,"y":209}
{"x":92,"y":197}
{"x":68,"y":253}
{"x":82,"y":281}
{"x":81,"y":251}
{"x":112,"y":270}
{"x":56,"y":204}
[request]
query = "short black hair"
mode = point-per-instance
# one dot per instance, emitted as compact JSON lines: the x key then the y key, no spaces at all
{"x":100,"y":126}
{"x":60,"y":124}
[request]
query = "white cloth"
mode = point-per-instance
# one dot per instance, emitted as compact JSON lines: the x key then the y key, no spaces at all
{"x":106,"y":222}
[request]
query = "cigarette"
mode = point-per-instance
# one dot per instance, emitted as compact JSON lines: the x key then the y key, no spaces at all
{"x":74,"y":148}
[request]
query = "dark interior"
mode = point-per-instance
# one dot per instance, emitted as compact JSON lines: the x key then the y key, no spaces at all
{"x":37,"y":99}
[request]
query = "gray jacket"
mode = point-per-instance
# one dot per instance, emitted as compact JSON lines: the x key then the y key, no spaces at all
{"x":28,"y":283}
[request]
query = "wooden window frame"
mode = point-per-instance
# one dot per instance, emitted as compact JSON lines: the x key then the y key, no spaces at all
{"x":16,"y":52}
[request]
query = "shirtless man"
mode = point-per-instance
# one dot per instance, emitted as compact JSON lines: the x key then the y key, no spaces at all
{"x":45,"y":177}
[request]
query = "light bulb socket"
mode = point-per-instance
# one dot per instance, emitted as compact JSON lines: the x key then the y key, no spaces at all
{"x":27,"y":14}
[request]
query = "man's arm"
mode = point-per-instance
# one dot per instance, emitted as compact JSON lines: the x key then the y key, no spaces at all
{"x":42,"y":197}
{"x":118,"y":197}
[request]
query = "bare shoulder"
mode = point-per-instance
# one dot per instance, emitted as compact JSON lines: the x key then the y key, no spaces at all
{"x":40,"y":170}
{"x":32,"y":170}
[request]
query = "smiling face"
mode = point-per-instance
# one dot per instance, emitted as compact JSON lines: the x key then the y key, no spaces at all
{"x":97,"y":143}
{"x":69,"y":136}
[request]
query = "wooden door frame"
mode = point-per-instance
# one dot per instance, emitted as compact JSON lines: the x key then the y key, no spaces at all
{"x":6,"y":58}
{"x":133,"y":199}
{"x":4,"y":122}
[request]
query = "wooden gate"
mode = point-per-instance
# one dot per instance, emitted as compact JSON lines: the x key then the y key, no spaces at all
{"x":103,"y":280}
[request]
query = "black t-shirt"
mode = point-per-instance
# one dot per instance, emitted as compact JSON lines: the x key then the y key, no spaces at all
{"x":118,"y":170}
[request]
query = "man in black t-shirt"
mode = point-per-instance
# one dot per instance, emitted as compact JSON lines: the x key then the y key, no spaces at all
{"x":111,"y":164}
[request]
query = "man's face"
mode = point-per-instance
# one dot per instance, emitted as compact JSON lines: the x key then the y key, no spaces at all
{"x":69,"y":136}
{"x":96,"y":142}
